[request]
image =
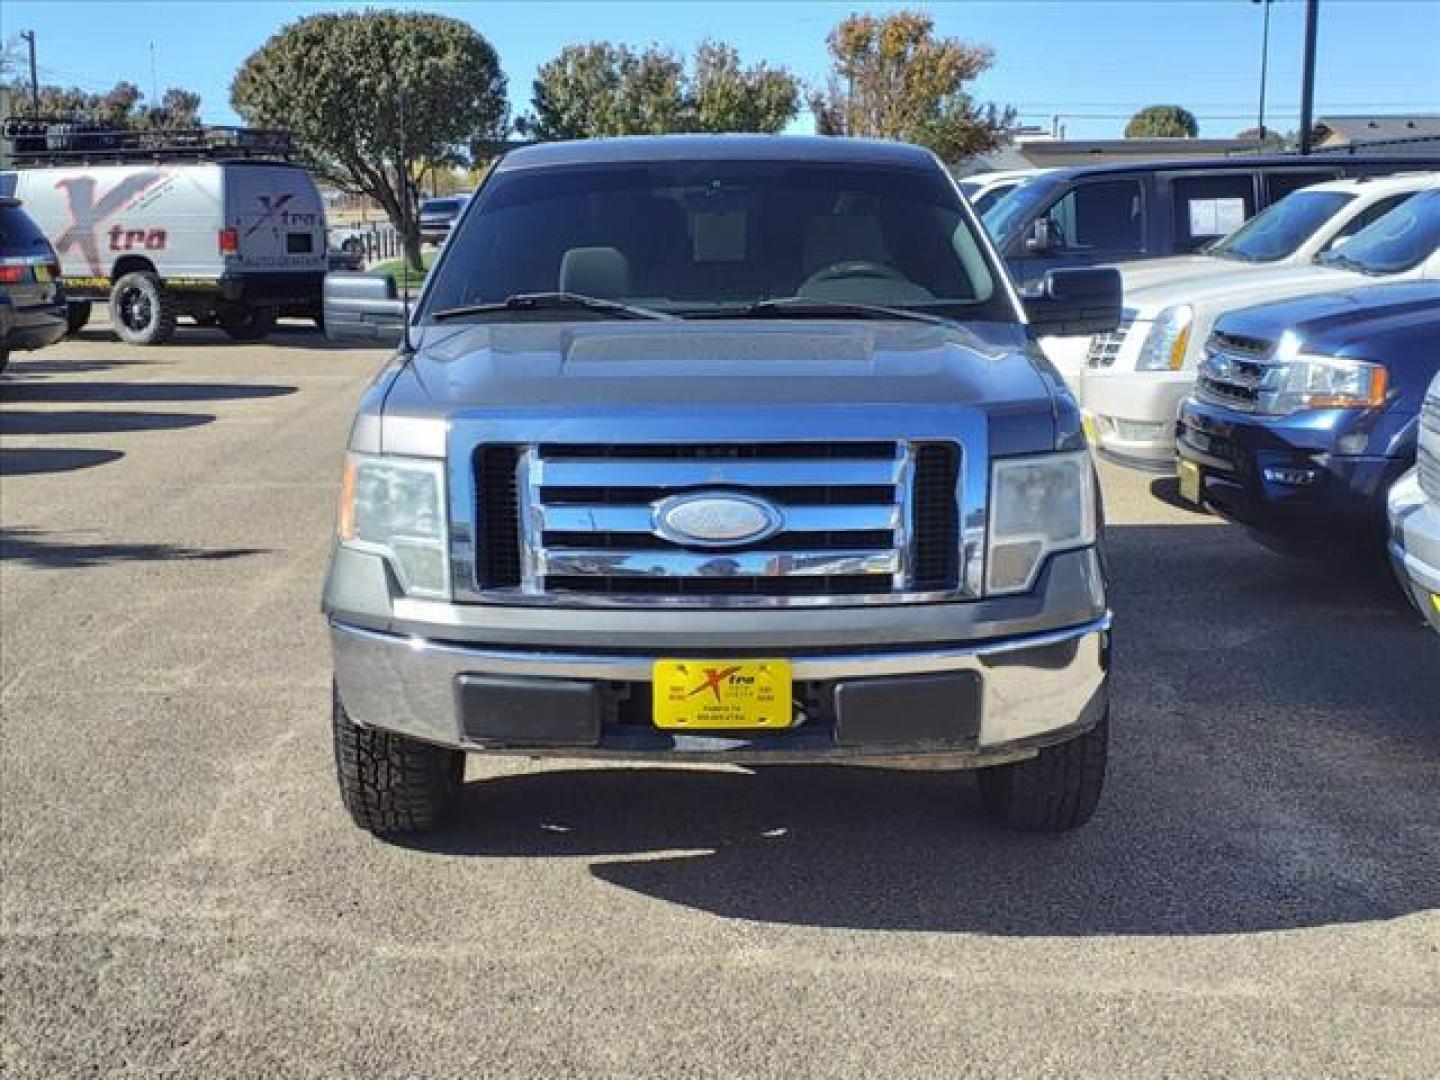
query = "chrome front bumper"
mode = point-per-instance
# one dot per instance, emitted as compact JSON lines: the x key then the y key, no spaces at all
{"x":1034,"y":689}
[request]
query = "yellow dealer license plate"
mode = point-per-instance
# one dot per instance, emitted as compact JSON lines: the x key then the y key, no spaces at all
{"x":716,"y":695}
{"x":1189,"y":481}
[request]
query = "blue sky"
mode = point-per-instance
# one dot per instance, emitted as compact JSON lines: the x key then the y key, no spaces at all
{"x":1093,"y":63}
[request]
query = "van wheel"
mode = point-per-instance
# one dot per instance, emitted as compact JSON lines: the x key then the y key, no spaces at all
{"x":391,"y":784}
{"x":248,"y":324}
{"x":141,"y":311}
{"x":1055,"y":790}
{"x":77,"y":314}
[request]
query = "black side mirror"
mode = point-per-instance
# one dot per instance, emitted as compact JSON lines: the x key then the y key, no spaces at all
{"x":1067,"y":303}
{"x":1038,"y":239}
{"x":363,"y":307}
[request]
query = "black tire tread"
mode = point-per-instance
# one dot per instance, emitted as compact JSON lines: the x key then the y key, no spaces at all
{"x":166,"y":313}
{"x":77,"y":314}
{"x":1054,"y":791}
{"x":252,"y":325}
{"x":390,"y":784}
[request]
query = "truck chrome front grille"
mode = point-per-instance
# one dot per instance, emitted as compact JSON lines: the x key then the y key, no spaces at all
{"x":849,"y":519}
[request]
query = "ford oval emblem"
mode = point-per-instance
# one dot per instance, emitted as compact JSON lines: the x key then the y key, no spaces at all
{"x":715,"y":519}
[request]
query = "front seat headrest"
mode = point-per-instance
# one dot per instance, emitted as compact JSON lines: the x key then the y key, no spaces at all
{"x":595,"y":271}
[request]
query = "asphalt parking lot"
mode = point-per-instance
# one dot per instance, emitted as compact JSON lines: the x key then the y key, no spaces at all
{"x":1259,"y":893}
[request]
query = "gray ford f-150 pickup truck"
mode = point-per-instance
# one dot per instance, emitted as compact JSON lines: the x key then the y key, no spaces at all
{"x":720,"y":448}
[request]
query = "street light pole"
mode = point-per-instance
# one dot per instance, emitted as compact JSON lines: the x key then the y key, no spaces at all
{"x":1264,"y":61}
{"x":1307,"y":90}
{"x":29,"y":37}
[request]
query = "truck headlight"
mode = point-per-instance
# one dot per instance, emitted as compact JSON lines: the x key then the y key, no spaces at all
{"x":1322,"y":382}
{"x":1038,"y":506}
{"x":395,"y":507}
{"x":1164,"y":347}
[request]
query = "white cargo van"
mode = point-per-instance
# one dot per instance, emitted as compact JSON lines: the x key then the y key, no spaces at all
{"x":210,"y":229}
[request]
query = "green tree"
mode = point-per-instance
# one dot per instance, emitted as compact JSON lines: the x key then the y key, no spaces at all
{"x":892,"y":78}
{"x":119,"y":106}
{"x":177,"y":109}
{"x":602,"y":89}
{"x":374,"y":97}
{"x":1162,"y":122}
{"x":724,"y":96}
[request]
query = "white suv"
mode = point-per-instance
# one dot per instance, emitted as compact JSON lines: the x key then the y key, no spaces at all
{"x":1136,"y":377}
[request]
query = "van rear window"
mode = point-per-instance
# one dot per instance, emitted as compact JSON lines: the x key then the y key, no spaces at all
{"x":299,"y":243}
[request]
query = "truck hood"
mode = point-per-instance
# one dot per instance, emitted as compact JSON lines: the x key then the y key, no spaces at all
{"x":1245,"y":289}
{"x":575,"y":368}
{"x":1348,"y":323}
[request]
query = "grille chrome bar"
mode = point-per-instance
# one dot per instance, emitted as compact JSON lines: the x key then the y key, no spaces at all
{"x":579,"y":518}
{"x":610,"y":562}
{"x":670,"y":473}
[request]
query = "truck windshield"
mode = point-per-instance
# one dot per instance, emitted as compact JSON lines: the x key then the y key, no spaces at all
{"x":1278,"y":231}
{"x":1399,"y":241}
{"x":704,"y":238}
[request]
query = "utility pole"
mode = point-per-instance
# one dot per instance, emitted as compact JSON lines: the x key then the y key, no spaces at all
{"x":1264,"y":62}
{"x":1307,"y":89}
{"x":29,"y":36}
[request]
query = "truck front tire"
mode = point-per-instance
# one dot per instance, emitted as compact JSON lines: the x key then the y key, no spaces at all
{"x":141,"y":311}
{"x":390,"y":784}
{"x":1054,"y":791}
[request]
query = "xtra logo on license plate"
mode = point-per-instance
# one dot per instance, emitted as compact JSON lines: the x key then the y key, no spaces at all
{"x":716,"y":695}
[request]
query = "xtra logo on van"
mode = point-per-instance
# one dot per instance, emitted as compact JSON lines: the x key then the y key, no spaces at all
{"x":88,"y":213}
{"x":274,"y":209}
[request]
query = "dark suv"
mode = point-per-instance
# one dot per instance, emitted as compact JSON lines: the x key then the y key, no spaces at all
{"x":32,"y":307}
{"x":1307,"y":411}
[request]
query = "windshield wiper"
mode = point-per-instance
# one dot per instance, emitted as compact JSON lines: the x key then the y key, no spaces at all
{"x":552,"y":301}
{"x":803,"y":307}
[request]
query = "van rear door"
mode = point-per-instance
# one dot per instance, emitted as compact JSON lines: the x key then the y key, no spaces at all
{"x":277,"y":218}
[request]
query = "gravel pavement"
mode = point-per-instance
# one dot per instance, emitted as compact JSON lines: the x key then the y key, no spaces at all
{"x":183,"y":896}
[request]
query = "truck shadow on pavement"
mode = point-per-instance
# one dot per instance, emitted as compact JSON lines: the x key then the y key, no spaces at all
{"x":1275,"y":759}
{"x":30,"y":547}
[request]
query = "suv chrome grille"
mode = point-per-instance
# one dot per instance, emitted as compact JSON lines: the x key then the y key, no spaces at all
{"x":1235,"y":373}
{"x":1430,"y":413}
{"x":1104,"y":348}
{"x":876,"y":518}
{"x":1428,"y":463}
{"x":1428,"y":456}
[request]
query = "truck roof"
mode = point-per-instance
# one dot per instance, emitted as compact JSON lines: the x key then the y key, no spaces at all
{"x":810,"y":148}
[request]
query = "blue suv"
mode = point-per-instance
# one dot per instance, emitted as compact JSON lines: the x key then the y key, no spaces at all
{"x":1306,"y":411}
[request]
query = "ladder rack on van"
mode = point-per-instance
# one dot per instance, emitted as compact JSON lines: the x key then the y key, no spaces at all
{"x":41,"y":141}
